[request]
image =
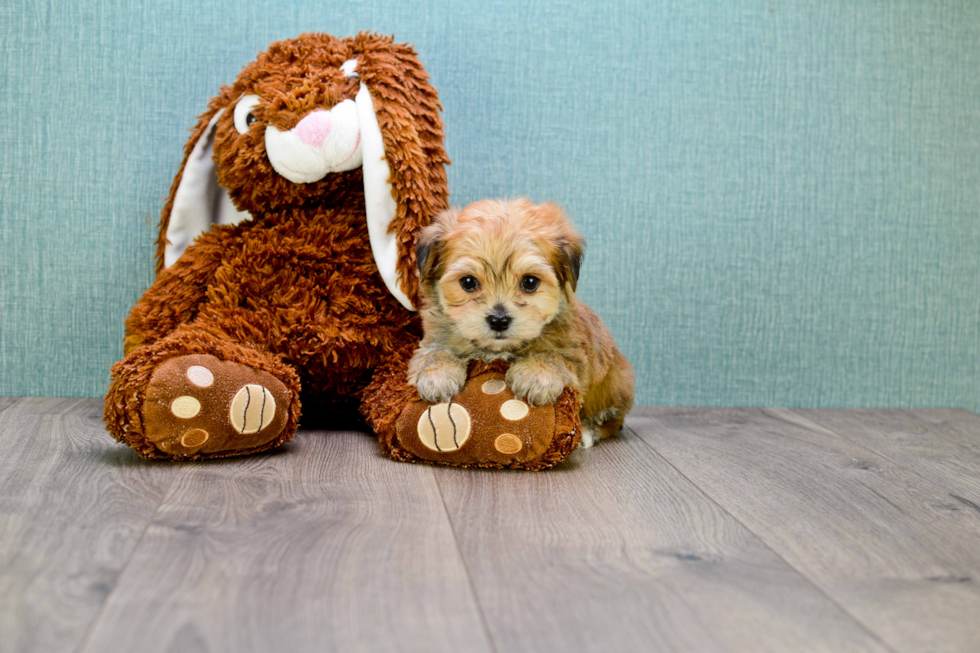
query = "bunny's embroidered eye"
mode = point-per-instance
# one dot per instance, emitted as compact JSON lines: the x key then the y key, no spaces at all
{"x":349,"y":68}
{"x":243,"y":112}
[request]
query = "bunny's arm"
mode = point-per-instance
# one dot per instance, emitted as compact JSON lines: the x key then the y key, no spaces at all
{"x":174,"y":298}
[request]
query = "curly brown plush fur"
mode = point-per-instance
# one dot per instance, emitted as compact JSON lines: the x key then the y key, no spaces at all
{"x":295,"y":290}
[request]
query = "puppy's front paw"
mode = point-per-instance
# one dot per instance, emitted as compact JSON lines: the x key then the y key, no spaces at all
{"x":534,"y":382}
{"x":440,"y":384}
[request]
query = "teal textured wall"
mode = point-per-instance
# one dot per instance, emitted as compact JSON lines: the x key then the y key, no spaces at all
{"x":781,"y":199}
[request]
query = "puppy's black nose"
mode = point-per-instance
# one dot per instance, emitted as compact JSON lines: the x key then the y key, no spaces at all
{"x":499,"y":320}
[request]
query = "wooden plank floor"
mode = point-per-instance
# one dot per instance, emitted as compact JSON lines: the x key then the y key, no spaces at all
{"x":697,"y":530}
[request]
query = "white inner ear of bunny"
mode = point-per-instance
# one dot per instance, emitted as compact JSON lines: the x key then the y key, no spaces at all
{"x":378,"y":201}
{"x":199,"y":202}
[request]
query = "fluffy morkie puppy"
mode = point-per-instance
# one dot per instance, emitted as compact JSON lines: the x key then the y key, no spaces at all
{"x":498,"y":282}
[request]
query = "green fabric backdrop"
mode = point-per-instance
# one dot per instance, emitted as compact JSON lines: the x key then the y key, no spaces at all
{"x":780,"y":198}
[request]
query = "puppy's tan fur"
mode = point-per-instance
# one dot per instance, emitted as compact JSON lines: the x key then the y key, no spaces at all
{"x":552,"y":340}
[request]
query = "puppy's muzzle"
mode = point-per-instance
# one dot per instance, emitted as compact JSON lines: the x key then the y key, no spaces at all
{"x":499,"y":320}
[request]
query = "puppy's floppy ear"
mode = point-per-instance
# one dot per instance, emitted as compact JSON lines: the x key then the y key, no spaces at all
{"x":568,"y":243}
{"x":430,"y":243}
{"x":196,"y":201}
{"x":572,"y":249}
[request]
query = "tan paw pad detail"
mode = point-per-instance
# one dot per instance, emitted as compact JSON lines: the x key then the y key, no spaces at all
{"x":493,"y":386}
{"x":492,"y":426}
{"x":252,"y":409}
{"x":444,"y":427}
{"x":185,"y":407}
{"x":200,"y":376}
{"x":514,"y":410}
{"x":194,"y":438}
{"x":507,"y":443}
{"x":201,"y":406}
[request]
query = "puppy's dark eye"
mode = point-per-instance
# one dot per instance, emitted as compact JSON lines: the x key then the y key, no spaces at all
{"x":249,"y":119}
{"x":529,"y":283}
{"x":469,"y":284}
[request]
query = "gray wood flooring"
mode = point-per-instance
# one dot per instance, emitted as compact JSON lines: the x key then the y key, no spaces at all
{"x":697,"y":530}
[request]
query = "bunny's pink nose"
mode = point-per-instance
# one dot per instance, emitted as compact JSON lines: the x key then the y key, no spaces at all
{"x":314,"y":128}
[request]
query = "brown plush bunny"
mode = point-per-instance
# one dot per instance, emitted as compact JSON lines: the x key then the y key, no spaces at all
{"x":286,"y":259}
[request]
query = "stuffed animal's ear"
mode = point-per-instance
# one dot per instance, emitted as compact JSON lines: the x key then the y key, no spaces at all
{"x":196,"y":201}
{"x":404,"y":160}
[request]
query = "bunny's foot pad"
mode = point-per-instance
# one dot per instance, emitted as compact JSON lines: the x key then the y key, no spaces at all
{"x":487,"y":426}
{"x":199,"y":406}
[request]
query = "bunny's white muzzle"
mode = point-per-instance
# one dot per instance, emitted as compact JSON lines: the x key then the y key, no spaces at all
{"x":324,"y":141}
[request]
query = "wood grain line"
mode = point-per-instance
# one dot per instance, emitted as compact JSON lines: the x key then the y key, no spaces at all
{"x":891,"y":547}
{"x":7,"y":402}
{"x":72,"y":507}
{"x":87,"y":635}
{"x":615,"y":550}
{"x":941,"y":445}
{"x":816,"y":587}
{"x":323,"y":545}
{"x":469,"y":575}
